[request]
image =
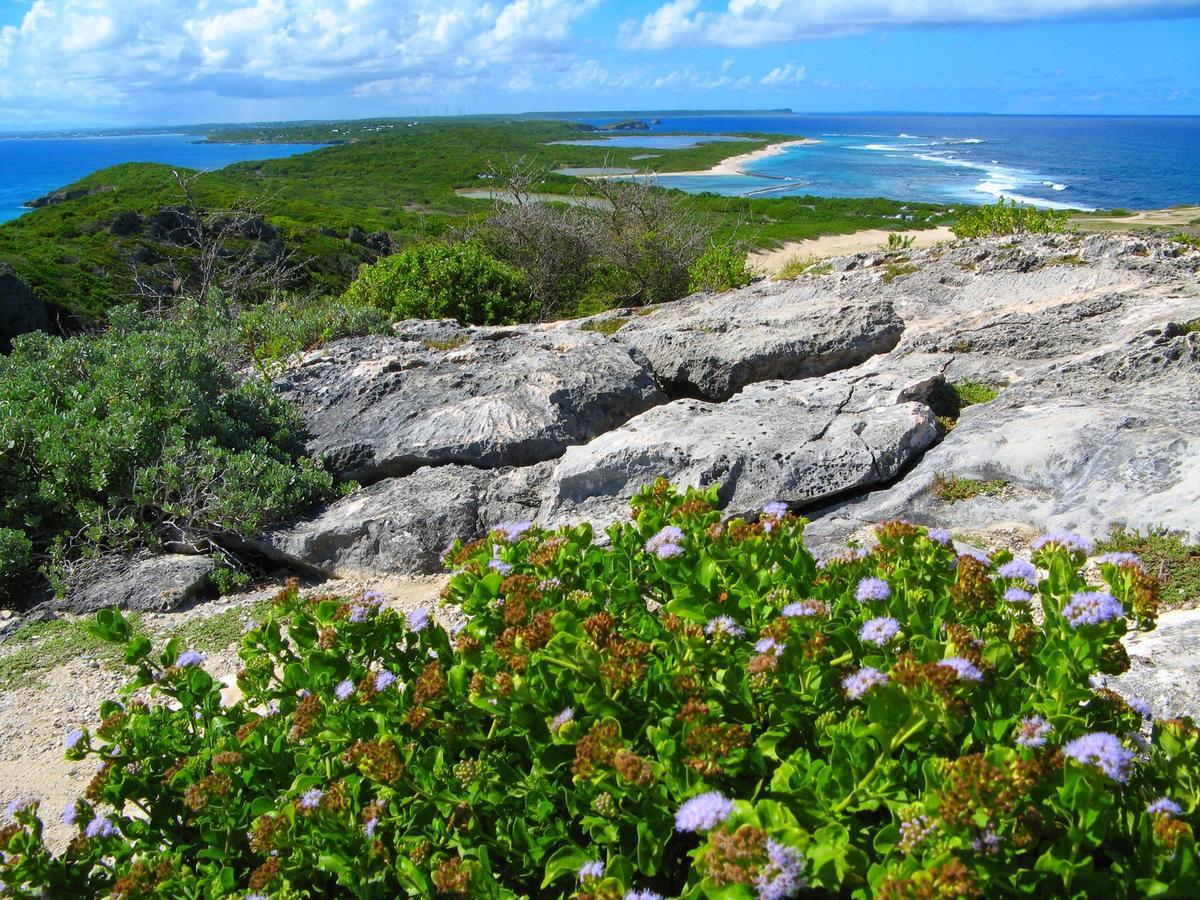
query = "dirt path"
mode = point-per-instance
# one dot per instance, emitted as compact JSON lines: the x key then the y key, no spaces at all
{"x":35,"y":717}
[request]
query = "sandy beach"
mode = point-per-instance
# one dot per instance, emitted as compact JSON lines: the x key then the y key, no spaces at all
{"x":732,"y":165}
{"x":771,"y":261}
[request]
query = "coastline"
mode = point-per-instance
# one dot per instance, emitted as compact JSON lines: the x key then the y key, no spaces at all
{"x":732,"y":165}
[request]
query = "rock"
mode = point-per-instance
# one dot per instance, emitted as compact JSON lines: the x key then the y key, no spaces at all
{"x":799,"y":442}
{"x":144,"y":582}
{"x":20,"y":310}
{"x":379,"y":407}
{"x":401,"y":525}
{"x":64,"y":196}
{"x":126,"y":224}
{"x":712,"y":345}
{"x":1163,"y":670}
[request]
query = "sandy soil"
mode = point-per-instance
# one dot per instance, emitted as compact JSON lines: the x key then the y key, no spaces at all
{"x":1172,"y":217}
{"x":771,"y":261}
{"x":33,"y":720}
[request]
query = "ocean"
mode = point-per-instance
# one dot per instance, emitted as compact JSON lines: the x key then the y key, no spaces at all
{"x":31,"y":167}
{"x":1079,"y":162}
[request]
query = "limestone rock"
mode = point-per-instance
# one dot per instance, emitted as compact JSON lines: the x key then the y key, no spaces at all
{"x":143,"y":582}
{"x":1163,"y":670}
{"x":20,"y":310}
{"x":712,"y":345}
{"x":380,"y":407}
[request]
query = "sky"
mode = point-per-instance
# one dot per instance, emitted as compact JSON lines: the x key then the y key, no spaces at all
{"x":128,"y":63}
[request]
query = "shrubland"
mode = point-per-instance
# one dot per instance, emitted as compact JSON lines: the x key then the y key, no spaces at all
{"x":1004,"y":218}
{"x":698,"y":708}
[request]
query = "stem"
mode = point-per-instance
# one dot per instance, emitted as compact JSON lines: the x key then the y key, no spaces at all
{"x":911,"y":729}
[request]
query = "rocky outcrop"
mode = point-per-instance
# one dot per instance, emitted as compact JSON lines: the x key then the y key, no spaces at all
{"x":712,"y":345}
{"x":65,"y":196}
{"x":20,"y":310}
{"x":141,"y":582}
{"x":381,"y":407}
{"x":1162,"y":666}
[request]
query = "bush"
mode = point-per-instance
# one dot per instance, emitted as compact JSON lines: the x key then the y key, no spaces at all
{"x":698,"y":709}
{"x":274,"y":331}
{"x":720,"y":268}
{"x":138,"y":436}
{"x":444,"y":281}
{"x":1009,"y":218}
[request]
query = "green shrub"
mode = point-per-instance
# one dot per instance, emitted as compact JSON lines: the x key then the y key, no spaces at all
{"x":719,"y":268}
{"x":274,"y":331}
{"x":698,"y":709}
{"x":1009,"y":218}
{"x":899,"y":242}
{"x":1168,"y":555}
{"x":136,"y":436}
{"x":444,"y":281}
{"x":970,"y":391}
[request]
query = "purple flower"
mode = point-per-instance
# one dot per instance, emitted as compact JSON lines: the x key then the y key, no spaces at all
{"x":804,"y":608}
{"x":940,"y":536}
{"x":1092,"y":608}
{"x":776,"y":509}
{"x":667,"y":543}
{"x":1066,"y":539}
{"x":1121,"y":559}
{"x":256,"y":897}
{"x":987,"y":841}
{"x":872,"y":589}
{"x":1019,"y":568}
{"x":418,"y":619}
{"x":344,"y":689}
{"x":74,"y":736}
{"x":1032,"y":731}
{"x":723,"y":625}
{"x":563,"y":719}
{"x":17,"y":806}
{"x":189,"y":658}
{"x":863,"y":680}
{"x":1104,"y":751}
{"x":1140,"y":706}
{"x":703,"y":812}
{"x":963,"y":668}
{"x":512,"y":531}
{"x":914,"y":831}
{"x":643,"y":895}
{"x":100,"y":827}
{"x":1164,"y":807}
{"x":69,"y":813}
{"x":879,"y":631}
{"x":311,"y":798}
{"x":781,"y":876}
{"x":370,"y":826}
{"x":591,"y":869}
{"x":498,"y":565}
{"x":769,"y":645}
{"x":384,"y":680}
{"x":549,"y":584}
{"x":362,"y":607}
{"x":975,"y":554}
{"x":1016,"y":595}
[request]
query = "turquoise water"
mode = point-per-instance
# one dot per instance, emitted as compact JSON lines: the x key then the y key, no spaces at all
{"x":1081,"y":162}
{"x":33,"y":167}
{"x":654,"y":142}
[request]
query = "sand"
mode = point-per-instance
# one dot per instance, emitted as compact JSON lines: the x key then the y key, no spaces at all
{"x":771,"y":261}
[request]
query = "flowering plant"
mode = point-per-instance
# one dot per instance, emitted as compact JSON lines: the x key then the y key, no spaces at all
{"x":698,"y":709}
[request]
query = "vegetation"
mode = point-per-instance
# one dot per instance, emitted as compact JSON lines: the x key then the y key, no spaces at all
{"x":696,"y":709}
{"x":272,"y":332}
{"x":949,"y":399}
{"x":444,"y":281}
{"x":1009,"y":218}
{"x":607,"y":327}
{"x":138,"y":436}
{"x":952,"y":488}
{"x":797,"y":265}
{"x":719,"y":268}
{"x":1191,"y":241}
{"x":897,"y":242}
{"x":331,"y":210}
{"x":969,"y":392}
{"x":1167,"y":555}
{"x":894,"y":270}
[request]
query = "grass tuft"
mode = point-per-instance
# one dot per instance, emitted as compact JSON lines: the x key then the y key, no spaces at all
{"x":1167,"y":556}
{"x":892,"y":271}
{"x":952,"y":488}
{"x":606,"y":327}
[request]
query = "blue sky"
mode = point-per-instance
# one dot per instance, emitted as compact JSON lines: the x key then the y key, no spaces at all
{"x":66,"y":63}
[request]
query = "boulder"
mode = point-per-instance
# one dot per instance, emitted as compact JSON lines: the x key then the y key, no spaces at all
{"x":143,"y":582}
{"x":379,"y":407}
{"x":20,"y":310}
{"x":798,"y":441}
{"x":713,"y":345}
{"x":1162,"y":666}
{"x":401,"y":525}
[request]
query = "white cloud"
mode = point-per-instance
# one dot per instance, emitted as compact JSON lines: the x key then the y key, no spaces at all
{"x":788,"y":75}
{"x":754,"y":23}
{"x":91,"y":58}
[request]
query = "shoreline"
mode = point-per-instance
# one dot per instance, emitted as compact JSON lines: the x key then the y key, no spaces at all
{"x":731,"y":165}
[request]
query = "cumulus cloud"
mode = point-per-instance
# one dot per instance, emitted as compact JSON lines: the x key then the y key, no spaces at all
{"x":753,"y":23}
{"x":787,"y":75}
{"x":113,"y":54}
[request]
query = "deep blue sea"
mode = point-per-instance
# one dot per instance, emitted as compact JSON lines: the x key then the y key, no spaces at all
{"x":1081,"y":162}
{"x":33,"y":167}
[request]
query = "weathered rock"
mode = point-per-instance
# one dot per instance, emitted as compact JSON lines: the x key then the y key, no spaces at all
{"x":380,"y":407}
{"x":1163,"y":670}
{"x":64,"y":196}
{"x":20,"y":310}
{"x":144,"y":582}
{"x":798,"y":442}
{"x":712,"y":345}
{"x":401,"y":525}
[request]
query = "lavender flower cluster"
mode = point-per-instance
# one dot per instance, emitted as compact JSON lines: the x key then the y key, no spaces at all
{"x":667,"y":543}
